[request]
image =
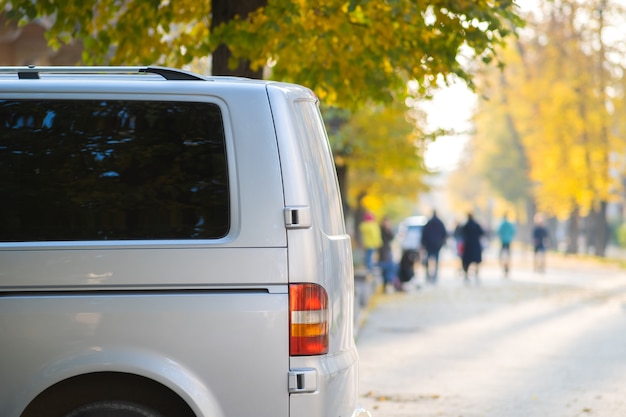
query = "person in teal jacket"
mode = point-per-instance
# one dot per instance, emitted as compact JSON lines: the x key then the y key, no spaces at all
{"x":506,"y":233}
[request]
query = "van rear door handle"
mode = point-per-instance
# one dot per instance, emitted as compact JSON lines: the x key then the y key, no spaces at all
{"x":298,"y":217}
{"x":302,"y":380}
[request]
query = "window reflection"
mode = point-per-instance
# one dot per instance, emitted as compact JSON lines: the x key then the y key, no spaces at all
{"x":112,"y":170}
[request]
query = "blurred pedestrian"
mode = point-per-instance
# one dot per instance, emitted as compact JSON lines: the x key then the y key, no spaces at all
{"x":472,"y":234}
{"x":434,"y":237}
{"x":458,"y":243}
{"x":506,"y":233}
{"x":411,"y":230}
{"x":371,"y":239}
{"x":385,"y":256}
{"x":540,"y":239}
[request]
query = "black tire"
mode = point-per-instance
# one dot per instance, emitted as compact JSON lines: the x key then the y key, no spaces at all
{"x":113,"y":409}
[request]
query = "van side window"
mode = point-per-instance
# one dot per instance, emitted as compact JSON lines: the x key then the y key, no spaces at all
{"x":94,"y":170}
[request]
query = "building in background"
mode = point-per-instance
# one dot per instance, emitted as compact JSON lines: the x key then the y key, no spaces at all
{"x":27,"y":45}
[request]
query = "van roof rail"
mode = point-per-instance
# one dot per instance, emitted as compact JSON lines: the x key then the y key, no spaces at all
{"x":32,"y":71}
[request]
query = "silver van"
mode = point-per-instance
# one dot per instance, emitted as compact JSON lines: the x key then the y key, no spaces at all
{"x":171,"y":245}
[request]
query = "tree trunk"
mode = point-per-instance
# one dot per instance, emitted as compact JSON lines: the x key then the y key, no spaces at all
{"x":224,"y":11}
{"x":602,"y":229}
{"x":531,"y":211}
{"x":516,"y":137}
{"x":573,"y":231}
{"x":601,"y":235}
{"x":342,"y":179}
{"x":359,"y":213}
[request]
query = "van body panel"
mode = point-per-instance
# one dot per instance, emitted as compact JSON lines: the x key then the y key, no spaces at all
{"x":111,"y":332}
{"x":166,"y":268}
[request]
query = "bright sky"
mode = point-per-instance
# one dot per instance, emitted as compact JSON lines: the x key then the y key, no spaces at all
{"x":451,"y":108}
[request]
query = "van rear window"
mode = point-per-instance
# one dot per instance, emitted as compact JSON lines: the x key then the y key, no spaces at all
{"x":112,"y":170}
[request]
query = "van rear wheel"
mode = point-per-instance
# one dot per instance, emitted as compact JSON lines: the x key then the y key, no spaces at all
{"x":113,"y":409}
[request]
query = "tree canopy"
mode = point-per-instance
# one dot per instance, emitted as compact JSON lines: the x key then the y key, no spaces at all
{"x":349,"y":51}
{"x":382,"y":144}
{"x":552,"y":115}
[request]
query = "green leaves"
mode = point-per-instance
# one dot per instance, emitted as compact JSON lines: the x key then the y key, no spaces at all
{"x":349,"y":52}
{"x":380,"y":146}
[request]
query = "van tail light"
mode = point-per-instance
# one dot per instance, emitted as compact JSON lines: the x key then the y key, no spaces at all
{"x":308,"y":320}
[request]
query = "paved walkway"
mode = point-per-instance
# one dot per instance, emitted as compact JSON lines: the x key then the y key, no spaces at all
{"x":550,"y":344}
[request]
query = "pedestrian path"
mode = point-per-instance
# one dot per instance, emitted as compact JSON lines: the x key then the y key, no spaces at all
{"x":551,"y":344}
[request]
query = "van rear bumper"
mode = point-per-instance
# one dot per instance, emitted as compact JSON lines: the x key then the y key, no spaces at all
{"x":336,"y":392}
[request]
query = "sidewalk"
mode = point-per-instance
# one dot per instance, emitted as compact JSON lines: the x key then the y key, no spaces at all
{"x":549,"y":344}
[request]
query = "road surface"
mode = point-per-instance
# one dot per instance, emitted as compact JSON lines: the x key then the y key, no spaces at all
{"x":545,"y":345}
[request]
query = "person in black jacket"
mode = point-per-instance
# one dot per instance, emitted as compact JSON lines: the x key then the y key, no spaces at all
{"x":472,"y":233}
{"x":540,"y":239}
{"x":434,"y":237}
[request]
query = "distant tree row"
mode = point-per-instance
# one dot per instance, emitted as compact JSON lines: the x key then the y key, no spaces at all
{"x":549,"y":132}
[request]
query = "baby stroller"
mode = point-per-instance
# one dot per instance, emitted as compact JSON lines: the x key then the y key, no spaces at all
{"x":411,"y":234}
{"x":406,"y":271}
